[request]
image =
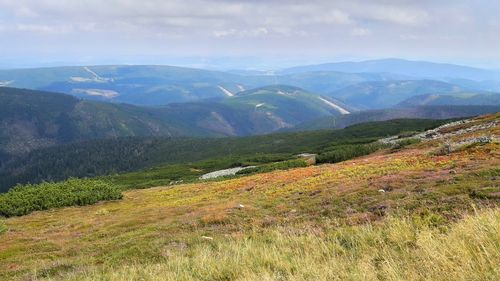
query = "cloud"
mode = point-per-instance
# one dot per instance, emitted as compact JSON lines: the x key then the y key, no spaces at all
{"x":360,"y":32}
{"x":252,"y":27}
{"x":494,"y":23}
{"x":409,"y":37}
{"x":241,"y":33}
{"x":397,"y":15}
{"x":244,"y":33}
{"x":217,"y":15}
{"x":37,"y":28}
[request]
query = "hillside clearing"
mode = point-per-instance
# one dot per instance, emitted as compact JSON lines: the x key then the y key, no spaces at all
{"x":340,"y":109}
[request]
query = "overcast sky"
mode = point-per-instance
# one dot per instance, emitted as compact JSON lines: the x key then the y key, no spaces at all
{"x":247,"y":34}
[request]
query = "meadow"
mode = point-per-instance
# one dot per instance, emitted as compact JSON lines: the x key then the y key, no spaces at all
{"x":397,"y":214}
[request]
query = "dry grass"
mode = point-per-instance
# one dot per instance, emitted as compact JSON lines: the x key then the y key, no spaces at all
{"x":399,"y":249}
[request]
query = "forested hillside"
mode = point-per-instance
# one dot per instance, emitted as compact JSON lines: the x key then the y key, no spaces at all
{"x":102,"y":157}
{"x":32,"y":119}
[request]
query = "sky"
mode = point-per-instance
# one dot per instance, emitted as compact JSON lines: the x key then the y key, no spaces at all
{"x":247,"y":34}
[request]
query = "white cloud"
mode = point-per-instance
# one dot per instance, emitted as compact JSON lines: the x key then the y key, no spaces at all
{"x":25,"y":12}
{"x":360,"y":32}
{"x":494,"y":23}
{"x":37,"y":28}
{"x":410,"y":37}
{"x":397,"y":15}
{"x":224,"y":33}
{"x":261,"y":31}
{"x":289,"y":27}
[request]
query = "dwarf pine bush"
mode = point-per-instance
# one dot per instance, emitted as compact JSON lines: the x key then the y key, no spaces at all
{"x":346,"y":152}
{"x":24,"y":199}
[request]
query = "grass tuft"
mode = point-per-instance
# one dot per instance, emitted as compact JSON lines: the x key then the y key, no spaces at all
{"x":3,"y":227}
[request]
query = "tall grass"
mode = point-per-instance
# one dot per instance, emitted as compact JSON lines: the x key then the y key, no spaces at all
{"x":3,"y":227}
{"x":398,"y":249}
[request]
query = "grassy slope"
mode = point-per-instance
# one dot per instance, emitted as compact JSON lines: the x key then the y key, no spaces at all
{"x":301,"y":224}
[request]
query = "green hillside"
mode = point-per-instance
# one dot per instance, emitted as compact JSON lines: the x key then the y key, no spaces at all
{"x":430,"y":112}
{"x":384,"y":94}
{"x":32,"y":119}
{"x":275,"y":107}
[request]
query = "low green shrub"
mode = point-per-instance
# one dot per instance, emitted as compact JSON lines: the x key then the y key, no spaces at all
{"x":407,"y":134}
{"x":24,"y":199}
{"x":346,"y":152}
{"x":406,"y":142}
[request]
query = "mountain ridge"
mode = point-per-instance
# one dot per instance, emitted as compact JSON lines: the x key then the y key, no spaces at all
{"x":420,"y":69}
{"x":460,"y":98}
{"x":160,"y":85}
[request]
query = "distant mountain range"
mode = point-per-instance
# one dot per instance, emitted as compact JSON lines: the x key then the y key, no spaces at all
{"x":462,"y":98}
{"x":385,"y":94}
{"x":415,"y":69}
{"x":160,"y":85}
{"x":140,"y":85}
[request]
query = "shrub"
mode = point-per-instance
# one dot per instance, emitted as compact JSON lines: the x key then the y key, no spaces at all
{"x":346,"y":152}
{"x":444,"y":149}
{"x":407,"y":134}
{"x":24,"y":199}
{"x":406,"y":142}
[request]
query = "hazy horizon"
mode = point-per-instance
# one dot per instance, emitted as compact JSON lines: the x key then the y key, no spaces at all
{"x":226,"y":64}
{"x":242,"y":34}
